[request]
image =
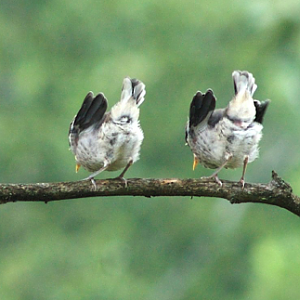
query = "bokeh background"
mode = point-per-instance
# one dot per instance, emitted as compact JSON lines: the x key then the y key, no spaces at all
{"x":51,"y":54}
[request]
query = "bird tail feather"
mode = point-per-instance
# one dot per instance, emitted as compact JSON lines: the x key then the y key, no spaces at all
{"x":133,"y":89}
{"x":243,"y":81}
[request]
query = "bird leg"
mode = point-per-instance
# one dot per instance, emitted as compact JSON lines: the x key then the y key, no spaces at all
{"x":242,"y":180}
{"x":91,"y":177}
{"x":215,"y":174}
{"x":121,"y":176}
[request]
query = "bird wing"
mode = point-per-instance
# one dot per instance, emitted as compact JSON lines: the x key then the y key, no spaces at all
{"x":260,"y":107}
{"x":201,"y":108}
{"x":90,"y":114}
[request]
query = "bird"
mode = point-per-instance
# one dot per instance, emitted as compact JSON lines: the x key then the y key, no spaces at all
{"x":228,"y":137}
{"x":108,"y":141}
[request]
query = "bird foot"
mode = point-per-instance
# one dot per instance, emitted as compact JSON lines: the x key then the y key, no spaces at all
{"x":122,"y":179}
{"x":242,"y":182}
{"x":91,"y":178}
{"x":94,"y":183}
{"x":218,"y":181}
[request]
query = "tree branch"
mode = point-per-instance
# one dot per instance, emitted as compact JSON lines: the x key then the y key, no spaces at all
{"x":276,"y":192}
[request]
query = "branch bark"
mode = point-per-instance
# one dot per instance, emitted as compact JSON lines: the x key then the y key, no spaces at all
{"x":276,"y":192}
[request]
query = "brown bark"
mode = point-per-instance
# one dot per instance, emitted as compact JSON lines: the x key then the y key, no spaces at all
{"x":276,"y":192}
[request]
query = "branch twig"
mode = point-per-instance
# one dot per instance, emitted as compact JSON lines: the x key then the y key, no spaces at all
{"x":276,"y":192}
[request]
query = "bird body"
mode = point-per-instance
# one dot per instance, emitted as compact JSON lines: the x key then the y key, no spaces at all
{"x":229,"y":137}
{"x":112,"y":140}
{"x":215,"y":144}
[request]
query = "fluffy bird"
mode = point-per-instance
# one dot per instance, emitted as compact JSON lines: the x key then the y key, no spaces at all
{"x":229,"y":137}
{"x":108,"y":141}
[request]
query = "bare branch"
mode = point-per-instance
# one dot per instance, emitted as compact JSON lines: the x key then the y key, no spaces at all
{"x":276,"y":192}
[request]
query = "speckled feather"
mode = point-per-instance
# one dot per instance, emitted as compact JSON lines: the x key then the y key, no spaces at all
{"x":114,"y":138}
{"x":231,"y":132}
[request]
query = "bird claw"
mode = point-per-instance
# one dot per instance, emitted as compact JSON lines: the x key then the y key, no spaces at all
{"x":94,"y":183}
{"x":91,"y":178}
{"x":242,"y":182}
{"x":122,"y":179}
{"x":218,"y":181}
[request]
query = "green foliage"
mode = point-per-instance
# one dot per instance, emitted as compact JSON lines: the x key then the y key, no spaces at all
{"x":51,"y":54}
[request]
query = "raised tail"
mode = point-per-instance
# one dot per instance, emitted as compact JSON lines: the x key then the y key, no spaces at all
{"x":133,"y":89}
{"x":241,"y":109}
{"x":126,"y":111}
{"x":243,"y":81}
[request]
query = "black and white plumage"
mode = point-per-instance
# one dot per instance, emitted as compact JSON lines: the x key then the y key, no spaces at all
{"x":112,"y":140}
{"x":229,"y":137}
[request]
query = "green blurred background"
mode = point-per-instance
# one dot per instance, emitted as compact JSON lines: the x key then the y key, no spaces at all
{"x":51,"y":54}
